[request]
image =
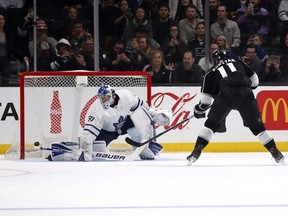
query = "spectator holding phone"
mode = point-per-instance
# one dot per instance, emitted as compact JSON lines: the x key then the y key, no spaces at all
{"x":271,"y":71}
{"x":251,"y":59}
{"x":253,"y":19}
{"x":117,"y":59}
{"x":276,"y":66}
{"x":257,"y":41}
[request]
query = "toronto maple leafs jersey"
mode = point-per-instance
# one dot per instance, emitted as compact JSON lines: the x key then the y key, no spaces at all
{"x":113,"y":118}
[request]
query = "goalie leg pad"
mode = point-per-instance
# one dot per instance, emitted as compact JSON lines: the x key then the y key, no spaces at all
{"x":85,"y":142}
{"x":143,"y":124}
{"x":151,"y":150}
{"x":99,"y":146}
{"x":134,"y":134}
{"x":64,"y":151}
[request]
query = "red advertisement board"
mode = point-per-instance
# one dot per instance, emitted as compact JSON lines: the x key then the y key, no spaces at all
{"x":274,"y":108}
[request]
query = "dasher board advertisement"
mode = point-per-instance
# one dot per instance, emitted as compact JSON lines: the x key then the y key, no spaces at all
{"x":181,"y":100}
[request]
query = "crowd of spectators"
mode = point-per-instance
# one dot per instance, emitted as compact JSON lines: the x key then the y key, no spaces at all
{"x":163,"y":37}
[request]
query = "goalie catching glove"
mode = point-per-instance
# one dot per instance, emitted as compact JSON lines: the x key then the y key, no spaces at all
{"x":200,"y":109}
{"x":160,"y":116}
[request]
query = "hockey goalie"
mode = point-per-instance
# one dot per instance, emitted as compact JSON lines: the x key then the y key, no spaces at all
{"x":116,"y":113}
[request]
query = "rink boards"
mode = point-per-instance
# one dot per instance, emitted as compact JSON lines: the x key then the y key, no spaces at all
{"x":181,"y":100}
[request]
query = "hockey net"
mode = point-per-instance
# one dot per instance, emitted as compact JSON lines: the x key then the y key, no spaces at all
{"x":54,"y":106}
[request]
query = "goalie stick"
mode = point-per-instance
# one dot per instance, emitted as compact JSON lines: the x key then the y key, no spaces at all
{"x":107,"y":155}
{"x":139,"y":144}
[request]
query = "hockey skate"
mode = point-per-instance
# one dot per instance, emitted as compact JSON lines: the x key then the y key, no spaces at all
{"x":277,"y":155}
{"x":194,"y":156}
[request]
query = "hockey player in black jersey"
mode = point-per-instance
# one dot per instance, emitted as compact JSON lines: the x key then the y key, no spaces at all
{"x":230,"y":82}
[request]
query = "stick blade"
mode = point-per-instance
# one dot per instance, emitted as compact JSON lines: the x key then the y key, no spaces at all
{"x":133,"y":143}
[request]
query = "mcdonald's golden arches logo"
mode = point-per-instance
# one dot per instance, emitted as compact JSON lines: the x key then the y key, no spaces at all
{"x":274,"y":108}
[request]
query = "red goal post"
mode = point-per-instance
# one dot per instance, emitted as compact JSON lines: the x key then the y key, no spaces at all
{"x":54,"y":105}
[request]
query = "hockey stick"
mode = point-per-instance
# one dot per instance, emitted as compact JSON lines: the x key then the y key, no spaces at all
{"x":116,"y":156}
{"x":104,"y":156}
{"x":138,"y":144}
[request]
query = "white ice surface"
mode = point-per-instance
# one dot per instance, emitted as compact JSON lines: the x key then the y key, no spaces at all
{"x":226,"y":184}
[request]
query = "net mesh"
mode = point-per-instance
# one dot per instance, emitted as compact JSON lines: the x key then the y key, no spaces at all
{"x":92,"y":81}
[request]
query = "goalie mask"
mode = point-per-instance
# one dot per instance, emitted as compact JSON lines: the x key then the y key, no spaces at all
{"x":106,"y":95}
{"x":219,"y":55}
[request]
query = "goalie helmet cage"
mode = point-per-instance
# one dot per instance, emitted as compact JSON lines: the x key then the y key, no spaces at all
{"x":54,"y":105}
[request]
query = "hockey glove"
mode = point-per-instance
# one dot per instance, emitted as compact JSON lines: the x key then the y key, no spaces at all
{"x":199,"y":110}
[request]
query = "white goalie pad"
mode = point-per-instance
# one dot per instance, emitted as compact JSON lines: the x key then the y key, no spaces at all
{"x":71,"y":151}
{"x":160,"y":116}
{"x":65,"y":151}
{"x":144,"y":128}
{"x":74,"y":151}
{"x":99,"y":146}
{"x":85,"y":143}
{"x":151,"y":150}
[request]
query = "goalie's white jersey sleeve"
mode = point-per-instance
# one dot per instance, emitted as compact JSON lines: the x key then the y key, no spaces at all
{"x":128,"y":102}
{"x":112,"y":119}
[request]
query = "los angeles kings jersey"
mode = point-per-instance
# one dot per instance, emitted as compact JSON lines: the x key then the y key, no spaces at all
{"x":228,"y":72}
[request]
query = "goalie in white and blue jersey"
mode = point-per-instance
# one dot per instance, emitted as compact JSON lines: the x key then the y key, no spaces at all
{"x":117,"y":113}
{"x":121,"y":112}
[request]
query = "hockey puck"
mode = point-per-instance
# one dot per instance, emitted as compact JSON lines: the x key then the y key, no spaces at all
{"x":36,"y":143}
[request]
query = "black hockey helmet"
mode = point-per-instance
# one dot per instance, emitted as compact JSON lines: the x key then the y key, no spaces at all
{"x":219,"y":55}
